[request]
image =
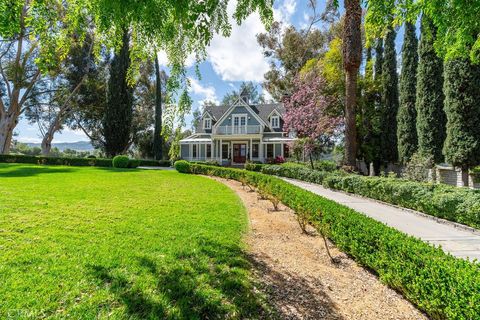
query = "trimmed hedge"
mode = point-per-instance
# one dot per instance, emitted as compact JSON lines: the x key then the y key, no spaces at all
{"x":64,"y":161}
{"x":93,"y":162}
{"x":460,"y":205}
{"x":439,"y":284}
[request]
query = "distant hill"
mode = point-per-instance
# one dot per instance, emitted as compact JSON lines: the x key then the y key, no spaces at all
{"x":78,"y":146}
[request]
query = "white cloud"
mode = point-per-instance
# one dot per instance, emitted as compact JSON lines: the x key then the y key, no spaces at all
{"x":239,"y":57}
{"x":268,"y":97}
{"x":163,"y":59}
{"x":29,"y":140}
{"x":207,"y":92}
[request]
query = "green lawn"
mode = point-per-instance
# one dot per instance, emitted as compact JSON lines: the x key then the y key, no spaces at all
{"x":89,"y":243}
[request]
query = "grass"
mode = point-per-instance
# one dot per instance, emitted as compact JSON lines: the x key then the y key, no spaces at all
{"x":89,"y":243}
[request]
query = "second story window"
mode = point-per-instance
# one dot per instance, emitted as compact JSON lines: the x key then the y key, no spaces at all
{"x":275,"y":122}
{"x":207,"y":123}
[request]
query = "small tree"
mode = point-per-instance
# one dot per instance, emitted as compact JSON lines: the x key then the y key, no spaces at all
{"x":310,"y":113}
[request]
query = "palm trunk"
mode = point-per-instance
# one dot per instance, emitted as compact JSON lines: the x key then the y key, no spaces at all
{"x":352,"y":57}
{"x":157,"y":134}
{"x":350,"y":117}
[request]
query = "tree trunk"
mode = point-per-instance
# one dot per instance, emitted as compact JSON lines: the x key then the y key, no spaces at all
{"x":352,"y":57}
{"x":7,"y":125}
{"x":350,"y":118}
{"x":157,"y":134}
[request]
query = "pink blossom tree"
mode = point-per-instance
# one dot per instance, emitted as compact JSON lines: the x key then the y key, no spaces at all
{"x":311,"y":114}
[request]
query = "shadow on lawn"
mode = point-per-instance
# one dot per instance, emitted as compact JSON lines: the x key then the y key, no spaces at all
{"x":17,"y":172}
{"x":213,"y":282}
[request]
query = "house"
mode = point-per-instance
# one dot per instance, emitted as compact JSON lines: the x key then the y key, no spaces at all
{"x":234,"y":134}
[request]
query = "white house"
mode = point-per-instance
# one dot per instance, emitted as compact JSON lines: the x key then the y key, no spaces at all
{"x":233,"y":134}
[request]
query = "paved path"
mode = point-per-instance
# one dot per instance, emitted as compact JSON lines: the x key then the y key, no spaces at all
{"x":458,"y":241}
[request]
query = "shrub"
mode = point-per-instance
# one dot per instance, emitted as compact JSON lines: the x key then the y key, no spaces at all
{"x":120,"y":162}
{"x":417,"y":168}
{"x":253,"y":166}
{"x":475,"y":173}
{"x":133,"y":163}
{"x":279,"y":159}
{"x":447,"y":202}
{"x":439,"y":284}
{"x":325,"y":165}
{"x":64,"y":161}
{"x":182,"y":166}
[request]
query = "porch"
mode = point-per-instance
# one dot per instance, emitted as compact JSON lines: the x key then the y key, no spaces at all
{"x":231,"y":151}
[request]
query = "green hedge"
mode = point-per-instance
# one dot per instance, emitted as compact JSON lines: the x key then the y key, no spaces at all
{"x":93,"y":162}
{"x":439,"y":284}
{"x":460,"y":205}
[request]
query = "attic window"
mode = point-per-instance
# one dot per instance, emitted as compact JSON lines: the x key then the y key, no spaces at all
{"x":275,"y":122}
{"x":207,"y":123}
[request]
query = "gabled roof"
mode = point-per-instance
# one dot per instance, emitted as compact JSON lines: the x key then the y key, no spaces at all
{"x":262,"y":111}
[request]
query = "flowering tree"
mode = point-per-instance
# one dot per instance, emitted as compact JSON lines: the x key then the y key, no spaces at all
{"x":311,"y":114}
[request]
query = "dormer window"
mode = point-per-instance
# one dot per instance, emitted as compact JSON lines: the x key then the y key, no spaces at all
{"x":207,"y":123}
{"x":275,"y":122}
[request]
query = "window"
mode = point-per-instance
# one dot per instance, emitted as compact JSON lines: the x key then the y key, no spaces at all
{"x":225,"y":151}
{"x":275,"y":121}
{"x":209,"y":150}
{"x":255,"y":150}
{"x":194,"y":151}
{"x":207,"y":123}
{"x":269,"y":150}
{"x":286,"y":151}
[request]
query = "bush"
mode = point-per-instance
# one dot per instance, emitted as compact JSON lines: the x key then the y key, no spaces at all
{"x":133,"y":163}
{"x":439,"y":284}
{"x":120,"y":162}
{"x":253,"y":166}
{"x":182,"y":166}
{"x":41,"y":160}
{"x":447,"y":202}
{"x":475,"y":173}
{"x":325,"y":165}
{"x":417,"y":168}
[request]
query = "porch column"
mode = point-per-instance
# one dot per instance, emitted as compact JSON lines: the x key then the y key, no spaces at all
{"x":221,"y":149}
{"x":281,"y":150}
{"x":260,"y":151}
{"x":211,"y":150}
{"x":250,"y":149}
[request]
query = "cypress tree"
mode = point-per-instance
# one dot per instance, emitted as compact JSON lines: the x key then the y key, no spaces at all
{"x":117,"y":121}
{"x":378,"y":59}
{"x":389,"y":108}
{"x":407,"y":115}
{"x":462,"y":107}
{"x":431,"y":118}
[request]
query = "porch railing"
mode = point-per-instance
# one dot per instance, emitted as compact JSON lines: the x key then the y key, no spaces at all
{"x":229,"y":130}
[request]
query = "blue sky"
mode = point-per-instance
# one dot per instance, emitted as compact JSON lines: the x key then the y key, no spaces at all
{"x":229,"y":62}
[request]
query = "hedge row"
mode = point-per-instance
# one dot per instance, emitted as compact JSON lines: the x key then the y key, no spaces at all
{"x":439,"y":284}
{"x":460,"y":205}
{"x":93,"y":162}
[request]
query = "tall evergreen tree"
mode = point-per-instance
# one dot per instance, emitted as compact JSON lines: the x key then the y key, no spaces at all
{"x":407,"y":115}
{"x":431,"y":118}
{"x":119,"y":110}
{"x":462,"y":97}
{"x":378,"y":59}
{"x":389,"y":108}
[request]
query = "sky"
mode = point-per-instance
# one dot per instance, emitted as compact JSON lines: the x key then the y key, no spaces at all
{"x":230,"y":61}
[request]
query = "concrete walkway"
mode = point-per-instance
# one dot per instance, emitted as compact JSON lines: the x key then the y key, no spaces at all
{"x":460,"y":242}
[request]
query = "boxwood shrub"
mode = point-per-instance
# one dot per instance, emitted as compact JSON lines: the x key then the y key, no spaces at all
{"x":120,"y":161}
{"x":439,"y":284}
{"x":182,"y":166}
{"x":65,"y":161}
{"x":460,"y":205}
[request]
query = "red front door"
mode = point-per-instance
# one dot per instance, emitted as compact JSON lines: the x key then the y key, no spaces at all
{"x":239,"y":152}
